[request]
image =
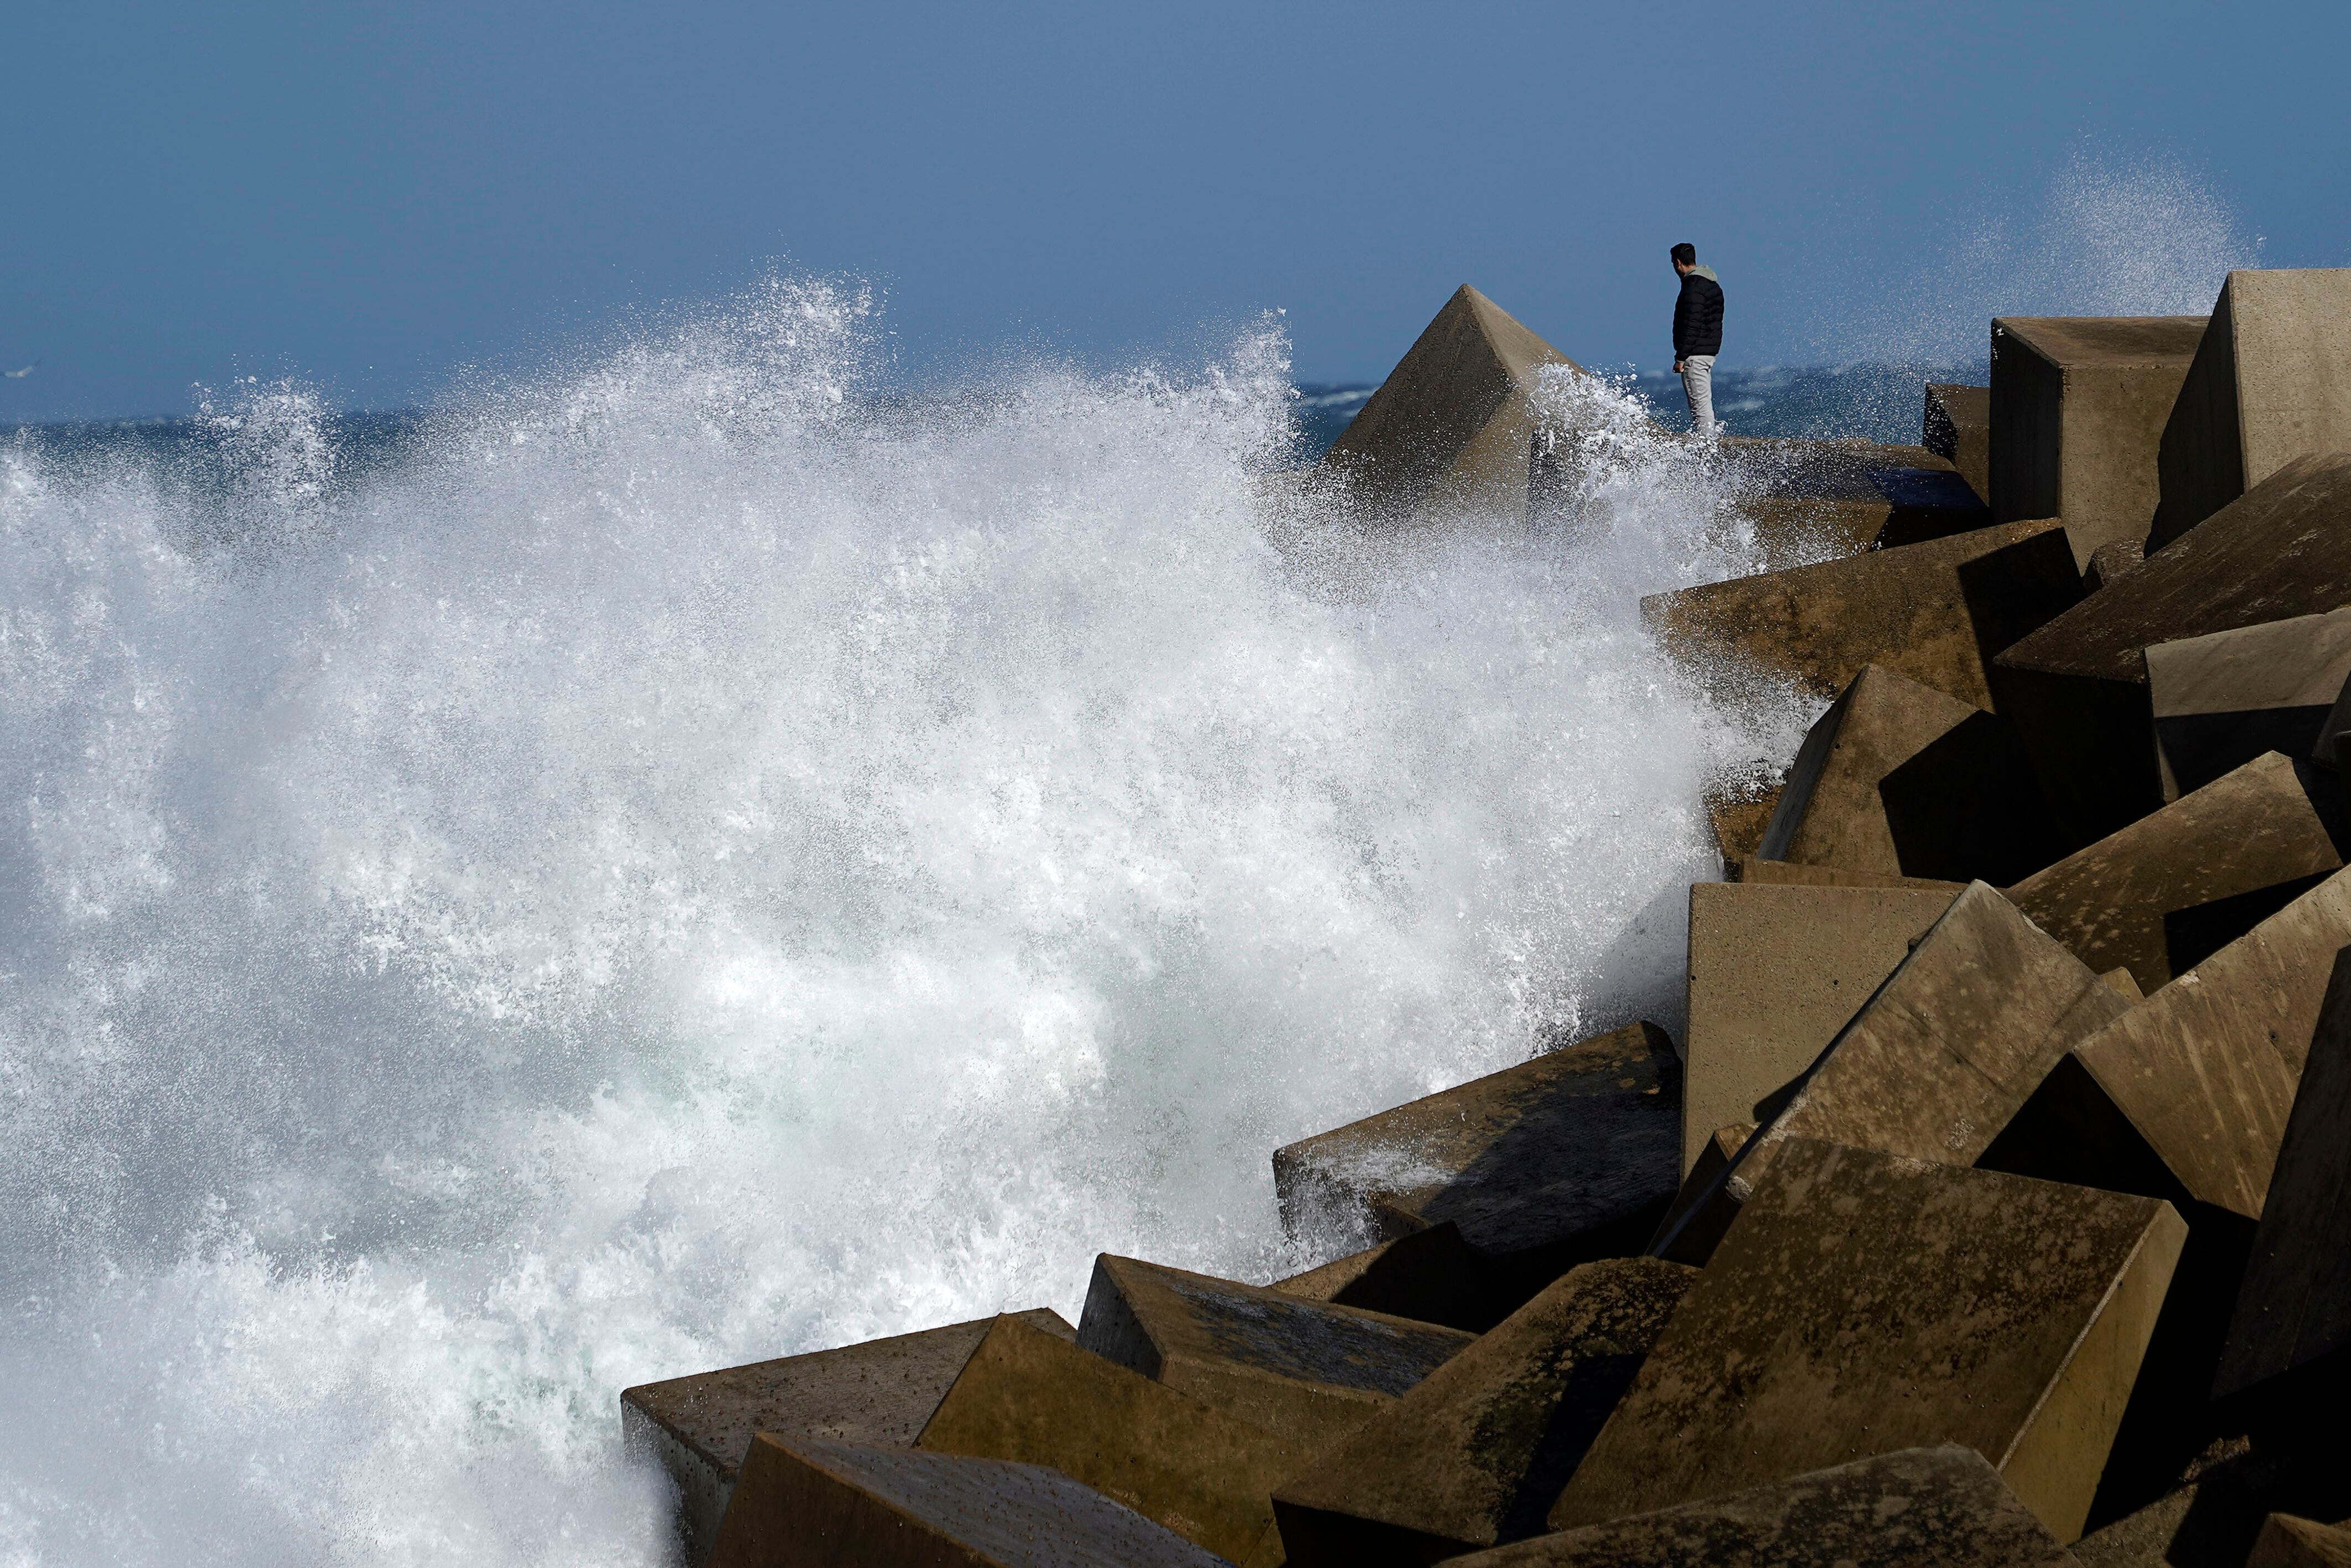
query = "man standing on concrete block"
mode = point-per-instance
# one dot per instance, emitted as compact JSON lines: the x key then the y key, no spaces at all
{"x":1697,"y":334}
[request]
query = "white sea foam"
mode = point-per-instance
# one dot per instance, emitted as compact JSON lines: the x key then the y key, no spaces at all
{"x":707,"y":860}
{"x":2108,"y":231}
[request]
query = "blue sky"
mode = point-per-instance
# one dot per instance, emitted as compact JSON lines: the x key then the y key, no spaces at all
{"x":374,"y":196}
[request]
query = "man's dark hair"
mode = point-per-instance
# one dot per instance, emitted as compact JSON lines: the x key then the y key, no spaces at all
{"x":1687,"y":253}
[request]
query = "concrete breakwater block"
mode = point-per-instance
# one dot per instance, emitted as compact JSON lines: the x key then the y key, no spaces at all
{"x":2218,"y":1511}
{"x":2271,"y":382}
{"x":2295,"y":1304}
{"x":1936,"y":612}
{"x":2205,"y":1069}
{"x":1450,"y":430}
{"x":2078,"y":406}
{"x":2077,"y":687}
{"x":2109,"y":561}
{"x":808,"y":1504}
{"x":1774,"y":973}
{"x":1899,"y":778}
{"x":1035,"y":1398}
{"x":1957,"y":427}
{"x":1789,"y":874}
{"x":2163,"y":894}
{"x":1307,"y":1370}
{"x":1739,"y":804}
{"x":2223,"y":699}
{"x":1558,"y":1160}
{"x":1933,"y":1065}
{"x":2287,"y":1541}
{"x":1867,"y":1303}
{"x":1475,"y":1454}
{"x":1430,"y":1275}
{"x":1844,"y":495}
{"x":1916,"y":1508}
{"x":882,"y":1391}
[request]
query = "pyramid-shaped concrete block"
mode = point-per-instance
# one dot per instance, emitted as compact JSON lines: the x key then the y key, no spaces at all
{"x":1558,"y":1160}
{"x":1450,"y":431}
{"x":1035,"y":1398}
{"x":1305,"y":1370}
{"x":1934,"y":1064}
{"x":2295,"y":1306}
{"x":2270,"y":384}
{"x":1474,"y":1454}
{"x":2223,"y":699}
{"x":1918,"y":1507}
{"x":1957,"y":427}
{"x":2206,"y":1068}
{"x":2078,"y":406}
{"x":1867,"y":1303}
{"x":808,"y":1504}
{"x":882,"y":1391}
{"x":2163,"y":894}
{"x":1936,"y":612}
{"x":1430,"y":1276}
{"x":2077,"y":688}
{"x":1899,"y":778}
{"x":1774,"y":973}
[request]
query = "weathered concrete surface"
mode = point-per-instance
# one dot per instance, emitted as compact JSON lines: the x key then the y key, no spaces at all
{"x":2224,"y":698}
{"x":1917,"y":1508}
{"x":1936,"y":1062}
{"x":2212,"y":1518}
{"x":2078,"y":406}
{"x":1902,"y":779}
{"x":1957,"y":427}
{"x":2206,"y":1068}
{"x":2109,"y":561}
{"x":1936,"y":612}
{"x":1738,"y":807}
{"x":878,"y":1392}
{"x":1783,"y":873}
{"x":2296,"y":1305}
{"x":1475,"y":1454}
{"x":1867,"y":1303}
{"x":1829,"y":812}
{"x":2330,"y":748}
{"x":1429,"y":1275}
{"x":2077,"y":687}
{"x":1775,"y":972}
{"x":2286,"y":1541}
{"x":1034,"y":1397}
{"x":1305,"y":1370}
{"x":1844,"y":495}
{"x":808,"y":1504}
{"x":2159,"y":896}
{"x":1724,"y":1147}
{"x":1558,"y":1160}
{"x":2272,"y":383}
{"x":1450,"y":430}
{"x":1701,"y":1186}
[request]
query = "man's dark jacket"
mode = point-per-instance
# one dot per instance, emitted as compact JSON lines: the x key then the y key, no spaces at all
{"x":1698,"y":315}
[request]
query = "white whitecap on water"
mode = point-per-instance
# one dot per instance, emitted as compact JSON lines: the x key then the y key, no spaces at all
{"x":704,"y":860}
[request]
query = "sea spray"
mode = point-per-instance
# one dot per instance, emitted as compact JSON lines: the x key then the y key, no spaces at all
{"x":704,"y":859}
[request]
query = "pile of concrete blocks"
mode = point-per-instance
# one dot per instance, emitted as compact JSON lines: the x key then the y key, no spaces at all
{"x":1994,"y":1207}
